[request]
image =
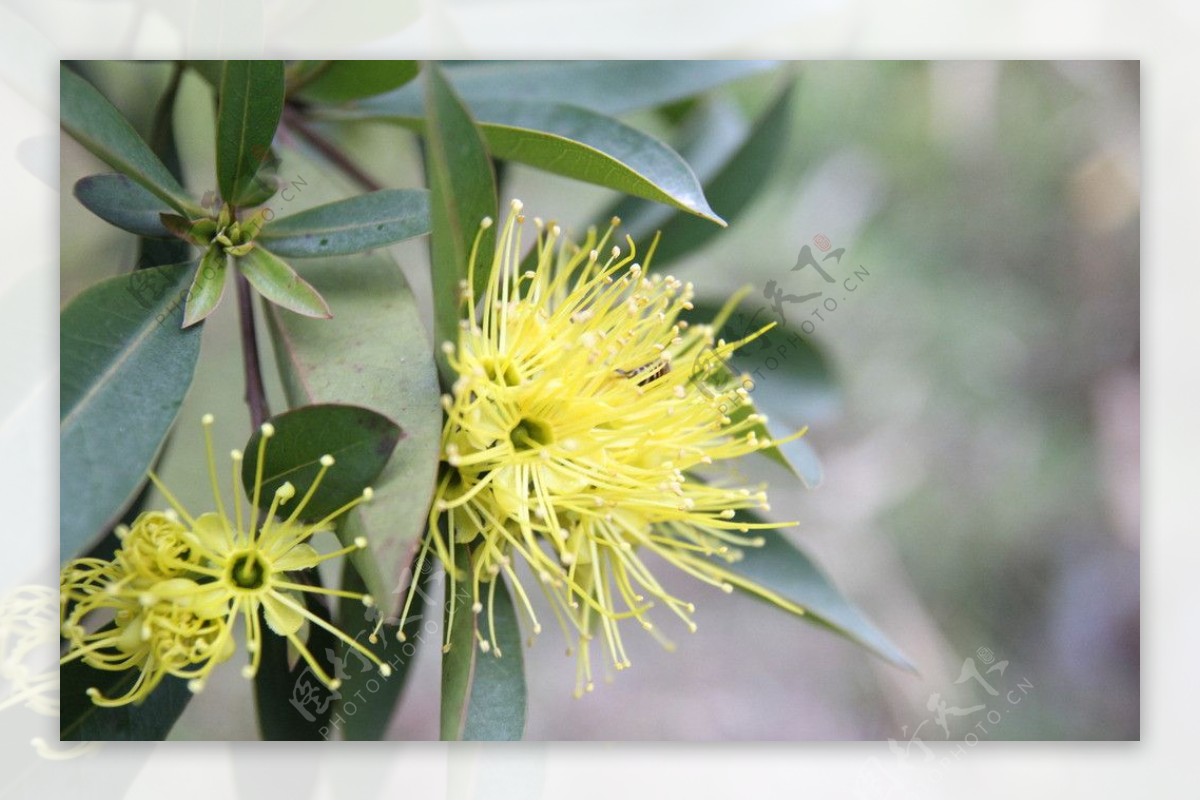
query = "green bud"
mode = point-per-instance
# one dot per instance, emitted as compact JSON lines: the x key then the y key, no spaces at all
{"x":240,"y":250}
{"x":225,"y":216}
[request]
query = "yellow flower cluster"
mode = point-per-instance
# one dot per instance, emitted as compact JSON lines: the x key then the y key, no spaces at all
{"x":168,"y":601}
{"x":573,"y":442}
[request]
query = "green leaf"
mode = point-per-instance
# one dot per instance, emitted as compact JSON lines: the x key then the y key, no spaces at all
{"x":125,"y":367}
{"x":98,"y":126}
{"x":81,"y":720}
{"x":250,"y":104}
{"x":483,"y":694}
{"x":368,"y":700}
{"x":342,"y":81}
{"x":291,"y":702}
{"x":369,"y":221}
{"x":120,"y":201}
{"x":581,"y":144}
{"x":730,"y":185}
{"x":462,"y":193}
{"x":607,"y":87}
{"x":360,"y":440}
{"x":782,"y":574}
{"x":208,"y":286}
{"x":376,"y":354}
{"x":276,"y":281}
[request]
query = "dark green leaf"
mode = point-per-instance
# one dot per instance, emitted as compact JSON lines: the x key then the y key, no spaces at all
{"x":369,"y":221}
{"x":98,"y":126}
{"x":125,"y":367}
{"x":730,"y":186}
{"x":276,"y":281}
{"x":483,"y":694}
{"x":291,"y":701}
{"x":581,"y":144}
{"x":368,"y":700}
{"x":251,"y":102}
{"x":208,"y":286}
{"x":360,"y":440}
{"x":374,"y":353}
{"x":779,"y":571}
{"x":80,"y":719}
{"x":266,"y":182}
{"x":462,"y":193}
{"x":608,"y":87}
{"x":341,"y":81}
{"x":121,"y":202}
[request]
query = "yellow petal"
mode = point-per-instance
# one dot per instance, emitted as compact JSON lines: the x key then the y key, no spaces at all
{"x":213,"y":532}
{"x":282,"y":619}
{"x":300,"y":557}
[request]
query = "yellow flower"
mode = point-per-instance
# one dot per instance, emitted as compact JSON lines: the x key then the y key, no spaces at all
{"x":572,"y":441}
{"x":175,"y":589}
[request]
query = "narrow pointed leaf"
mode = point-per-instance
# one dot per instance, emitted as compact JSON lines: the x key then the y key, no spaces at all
{"x":250,"y":104}
{"x":207,"y":288}
{"x":783,"y":571}
{"x":125,"y":368}
{"x":342,"y":81}
{"x":369,"y":221}
{"x":607,"y":87}
{"x":276,"y":281}
{"x":581,"y":144}
{"x":374,"y":353}
{"x":360,"y":440}
{"x":120,"y":201}
{"x":97,"y":125}
{"x":462,"y":193}
{"x":483,"y":694}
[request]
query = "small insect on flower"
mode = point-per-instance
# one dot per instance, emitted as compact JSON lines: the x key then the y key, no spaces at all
{"x":169,"y":599}
{"x":650,"y":371}
{"x":563,"y":462}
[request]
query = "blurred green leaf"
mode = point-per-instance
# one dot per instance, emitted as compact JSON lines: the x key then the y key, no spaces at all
{"x":81,"y":720}
{"x":249,"y":107}
{"x":782,"y":572}
{"x":607,"y":87}
{"x":125,"y":367}
{"x":374,"y":353}
{"x":483,"y":694}
{"x":276,"y":281}
{"x":208,"y":286}
{"x":730,"y":185}
{"x":369,"y":700}
{"x":360,"y":440}
{"x":462,"y":193}
{"x":98,"y":126}
{"x":122,"y":202}
{"x":369,"y":221}
{"x":341,"y":81}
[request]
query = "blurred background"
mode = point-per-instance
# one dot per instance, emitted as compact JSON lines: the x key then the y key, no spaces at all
{"x":974,"y":468}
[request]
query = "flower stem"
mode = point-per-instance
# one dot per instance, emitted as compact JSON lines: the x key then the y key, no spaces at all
{"x":256,"y":395}
{"x":294,"y":119}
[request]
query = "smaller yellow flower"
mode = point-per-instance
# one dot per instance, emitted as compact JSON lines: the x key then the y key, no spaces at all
{"x":171,"y":596}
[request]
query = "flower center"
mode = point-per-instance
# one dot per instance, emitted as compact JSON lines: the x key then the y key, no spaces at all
{"x":248,"y":570}
{"x":529,"y":434}
{"x":505,"y":375}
